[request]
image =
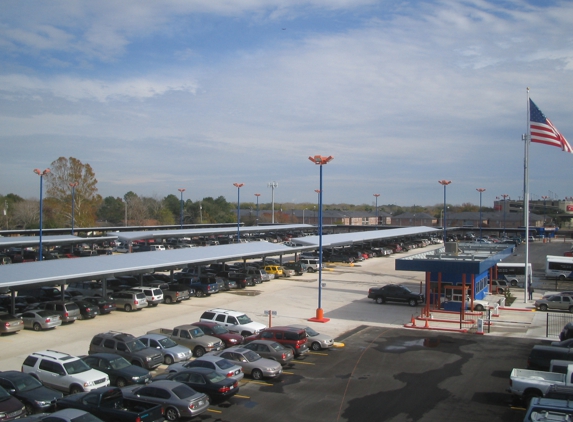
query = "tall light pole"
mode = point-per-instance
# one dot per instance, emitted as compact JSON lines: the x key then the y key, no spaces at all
{"x":318,"y":203}
{"x":181,"y":209}
{"x":376,"y":195}
{"x":41,"y":174}
{"x":304,"y":209}
{"x":444,"y":183}
{"x":273,"y":185}
{"x":257,"y":195}
{"x":480,"y":190}
{"x":73,"y":186}
{"x":504,"y":196}
{"x":545,"y":209}
{"x":238,"y":186}
{"x":320,"y":161}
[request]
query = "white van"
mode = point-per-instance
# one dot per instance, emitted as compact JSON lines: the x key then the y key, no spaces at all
{"x":309,"y":265}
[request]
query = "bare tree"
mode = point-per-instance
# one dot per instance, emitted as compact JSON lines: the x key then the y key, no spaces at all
{"x":26,"y":214}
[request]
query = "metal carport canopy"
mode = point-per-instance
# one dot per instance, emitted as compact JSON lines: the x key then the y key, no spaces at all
{"x":27,"y":241}
{"x":162,"y":234}
{"x":343,"y":239}
{"x":61,"y":271}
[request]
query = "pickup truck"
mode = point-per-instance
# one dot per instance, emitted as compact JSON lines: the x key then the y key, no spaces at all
{"x":529,"y":383}
{"x":173,"y":294}
{"x":108,"y":404}
{"x":193,"y":338}
{"x":203,"y":285}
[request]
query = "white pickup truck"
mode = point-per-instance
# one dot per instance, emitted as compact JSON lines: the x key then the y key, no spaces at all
{"x":528,"y":383}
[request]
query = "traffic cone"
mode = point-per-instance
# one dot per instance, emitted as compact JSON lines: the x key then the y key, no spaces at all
{"x":413,"y":321}
{"x":427,"y":324}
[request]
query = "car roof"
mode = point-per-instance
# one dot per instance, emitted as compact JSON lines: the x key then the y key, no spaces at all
{"x":103,"y":356}
{"x":268,"y":342}
{"x":12,"y":374}
{"x":197,"y":369}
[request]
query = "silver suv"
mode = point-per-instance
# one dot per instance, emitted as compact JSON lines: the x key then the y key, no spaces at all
{"x":64,"y":372}
{"x":130,"y":300}
{"x":154,"y":295}
{"x":69,"y":312}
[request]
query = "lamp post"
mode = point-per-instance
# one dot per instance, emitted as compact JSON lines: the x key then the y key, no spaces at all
{"x":181,"y":209}
{"x":320,"y":161}
{"x":273,"y":185}
{"x":376,"y":195}
{"x":41,"y":174}
{"x":238,"y":186}
{"x":480,"y":190}
{"x":304,"y":209}
{"x":257,"y":195}
{"x":504,"y":196}
{"x":73,"y":186}
{"x":444,"y":183}
{"x":318,"y":203}
{"x":545,"y":208}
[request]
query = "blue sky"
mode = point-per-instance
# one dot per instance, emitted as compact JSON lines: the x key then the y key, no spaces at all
{"x":161,"y":95}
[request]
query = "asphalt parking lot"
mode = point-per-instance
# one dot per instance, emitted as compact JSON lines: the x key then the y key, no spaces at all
{"x":384,"y":371}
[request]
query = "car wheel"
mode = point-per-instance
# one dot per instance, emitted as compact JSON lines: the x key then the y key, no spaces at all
{"x":310,"y":270}
{"x":513,"y":283}
{"x":412,"y":302}
{"x":120,"y":383}
{"x":257,"y":374}
{"x":37,"y":326}
{"x":479,"y":308}
{"x":171,"y":414}
{"x":74,"y":388}
{"x":199,"y":351}
{"x":199,"y":293}
{"x":127,"y":308}
{"x":543,"y":307}
{"x":168,"y":360}
{"x":561,"y":277}
{"x":315,"y":346}
{"x":168,"y":300}
{"x":29,"y":408}
{"x":380,"y":300}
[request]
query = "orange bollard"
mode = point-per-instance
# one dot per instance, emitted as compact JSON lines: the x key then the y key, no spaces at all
{"x":413,"y":321}
{"x":427,"y":324}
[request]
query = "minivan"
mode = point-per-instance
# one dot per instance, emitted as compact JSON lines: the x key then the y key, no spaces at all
{"x":130,"y":300}
{"x":541,"y":356}
{"x":69,"y":311}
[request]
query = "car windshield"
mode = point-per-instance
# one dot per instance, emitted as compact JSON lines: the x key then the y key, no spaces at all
{"x":119,"y":363}
{"x":224,"y":364}
{"x":183,"y":391}
{"x":215,"y":377}
{"x":243,"y":319}
{"x":26,"y":383}
{"x":251,"y":356}
{"x":276,"y":346}
{"x":310,"y":331}
{"x":76,"y":366}
{"x":167,"y":343}
{"x":4,"y":395}
{"x":135,"y":345}
{"x":219,"y":329}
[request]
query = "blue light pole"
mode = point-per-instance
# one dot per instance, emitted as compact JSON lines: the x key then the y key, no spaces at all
{"x":73,"y":186}
{"x":41,"y":174}
{"x":444,"y":183}
{"x":181,"y":209}
{"x":504,"y":206}
{"x":238,"y":186}
{"x":257,"y":195}
{"x":480,"y":190}
{"x":376,"y":195}
{"x":320,"y":161}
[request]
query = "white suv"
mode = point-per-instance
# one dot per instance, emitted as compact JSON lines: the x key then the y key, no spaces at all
{"x":63,"y":372}
{"x":236,"y":322}
{"x":154,"y":295}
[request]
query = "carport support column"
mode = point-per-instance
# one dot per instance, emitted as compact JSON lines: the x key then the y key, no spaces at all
{"x":428,"y":294}
{"x":464,"y":292}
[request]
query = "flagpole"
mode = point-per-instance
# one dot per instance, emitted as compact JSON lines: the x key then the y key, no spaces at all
{"x":527,"y":139}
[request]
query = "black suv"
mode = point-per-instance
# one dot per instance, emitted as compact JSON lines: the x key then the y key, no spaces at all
{"x":395,"y":293}
{"x":128,"y":346}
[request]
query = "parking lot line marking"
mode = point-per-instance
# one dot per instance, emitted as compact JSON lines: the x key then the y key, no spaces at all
{"x":318,"y":353}
{"x":214,"y":410}
{"x":259,"y":382}
{"x":304,"y":363}
{"x":241,"y":396}
{"x":288,"y":373}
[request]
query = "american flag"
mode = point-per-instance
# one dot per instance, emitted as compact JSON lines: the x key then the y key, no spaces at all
{"x":543,"y":131}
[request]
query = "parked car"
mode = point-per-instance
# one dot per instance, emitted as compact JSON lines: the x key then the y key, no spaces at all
{"x":29,"y":391}
{"x":10,"y":407}
{"x":395,"y":293}
{"x":87,"y":309}
{"x":236,"y":322}
{"x":204,"y":380}
{"x":10,"y":323}
{"x":105,"y":306}
{"x":64,"y":415}
{"x":221,"y":332}
{"x":274,"y":271}
{"x":63,"y":372}
{"x":128,"y":346}
{"x":202,"y":285}
{"x":130,"y":300}
{"x":220,"y":365}
{"x":500,"y":286}
{"x":171,"y":351}
{"x":295,"y":267}
{"x":178,"y":400}
{"x":271,"y":350}
{"x":191,"y":337}
{"x":291,"y":337}
{"x":39,"y":320}
{"x":563,"y":343}
{"x":555,"y":302}
{"x":252,"y":363}
{"x":258,"y":273}
{"x":118,"y":369}
{"x":69,"y":312}
{"x":315,"y":340}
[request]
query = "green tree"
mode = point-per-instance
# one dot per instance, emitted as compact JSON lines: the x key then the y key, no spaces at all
{"x":65,"y":172}
{"x":112,"y":210}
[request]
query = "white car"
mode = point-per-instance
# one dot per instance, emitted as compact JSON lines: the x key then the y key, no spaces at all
{"x":236,"y":322}
{"x":315,"y":340}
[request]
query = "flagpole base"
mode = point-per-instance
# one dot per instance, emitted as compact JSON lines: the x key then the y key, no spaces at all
{"x":319,"y":316}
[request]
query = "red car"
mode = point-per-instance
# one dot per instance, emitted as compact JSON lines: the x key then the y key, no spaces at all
{"x":221,"y":332}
